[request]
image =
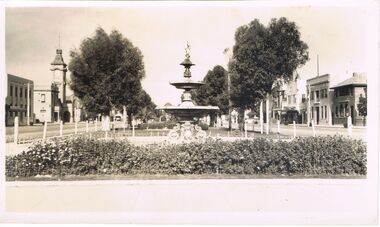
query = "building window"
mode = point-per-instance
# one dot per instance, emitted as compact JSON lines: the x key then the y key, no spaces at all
{"x":345,"y":91}
{"x":346,"y":109}
{"x":20,"y":92}
{"x":341,"y":110}
{"x":11,"y":91}
{"x":289,"y":99}
{"x":312,"y":95}
{"x":321,"y":112}
{"x":16,"y":91}
{"x":30,"y":94}
{"x":317,"y":95}
{"x":43,"y":111}
{"x":294,"y":99}
{"x":26,"y":93}
{"x":326,"y":112}
{"x":43,"y":98}
{"x":336,"y":111}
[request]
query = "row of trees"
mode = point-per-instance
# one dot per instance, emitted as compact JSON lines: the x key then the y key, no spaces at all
{"x":262,"y":55}
{"x":107,"y":70}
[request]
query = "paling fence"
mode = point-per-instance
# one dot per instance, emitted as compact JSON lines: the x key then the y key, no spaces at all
{"x":117,"y":130}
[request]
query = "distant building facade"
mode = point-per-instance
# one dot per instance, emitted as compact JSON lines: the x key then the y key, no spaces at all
{"x":46,"y":103}
{"x":346,"y":99}
{"x":287,"y":101}
{"x":19,"y":100}
{"x":320,"y":100}
{"x":75,"y":108}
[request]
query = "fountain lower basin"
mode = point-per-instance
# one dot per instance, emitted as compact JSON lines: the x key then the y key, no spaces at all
{"x":188,"y":113}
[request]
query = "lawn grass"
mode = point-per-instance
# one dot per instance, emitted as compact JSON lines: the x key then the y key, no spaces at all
{"x":180,"y":177}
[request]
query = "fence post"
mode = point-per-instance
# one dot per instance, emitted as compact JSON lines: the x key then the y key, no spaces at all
{"x":261,"y":118}
{"x":294,"y":129}
{"x":76,"y":127}
{"x":60,"y":128}
{"x":245,"y":129}
{"x":15,"y":137}
{"x":133,"y":129}
{"x":44,"y":133}
{"x":313,"y":127}
{"x":349,"y":126}
{"x":86,"y":125}
{"x":267,"y":114}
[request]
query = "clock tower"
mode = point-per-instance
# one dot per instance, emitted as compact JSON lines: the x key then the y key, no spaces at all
{"x":59,"y":69}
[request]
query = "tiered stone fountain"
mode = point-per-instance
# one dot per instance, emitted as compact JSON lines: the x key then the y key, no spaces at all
{"x":187,"y":112}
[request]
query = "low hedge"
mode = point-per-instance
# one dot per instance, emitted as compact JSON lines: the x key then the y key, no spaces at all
{"x":331,"y":155}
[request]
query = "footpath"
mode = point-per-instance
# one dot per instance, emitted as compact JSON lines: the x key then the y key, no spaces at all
{"x":257,"y":201}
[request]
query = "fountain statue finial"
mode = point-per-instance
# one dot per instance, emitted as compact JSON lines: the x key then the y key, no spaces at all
{"x":187,"y":50}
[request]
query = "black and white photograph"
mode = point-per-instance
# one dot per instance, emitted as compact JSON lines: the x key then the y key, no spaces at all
{"x":189,"y":112}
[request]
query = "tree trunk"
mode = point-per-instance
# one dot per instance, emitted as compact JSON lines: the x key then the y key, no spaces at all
{"x":212,"y":120}
{"x":129,"y":119}
{"x":229,"y":120}
{"x":241,"y":119}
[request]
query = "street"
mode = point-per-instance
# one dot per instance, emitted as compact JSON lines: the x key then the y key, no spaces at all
{"x":303,"y":130}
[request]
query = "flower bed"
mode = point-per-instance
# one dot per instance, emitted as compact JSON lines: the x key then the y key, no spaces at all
{"x":331,"y":155}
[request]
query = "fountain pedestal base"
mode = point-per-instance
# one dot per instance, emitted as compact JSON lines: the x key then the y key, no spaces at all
{"x":186,"y":132}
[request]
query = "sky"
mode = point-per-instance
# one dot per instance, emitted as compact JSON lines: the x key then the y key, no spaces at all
{"x":340,"y":34}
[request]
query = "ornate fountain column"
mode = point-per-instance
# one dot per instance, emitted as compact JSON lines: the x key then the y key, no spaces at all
{"x":187,"y":112}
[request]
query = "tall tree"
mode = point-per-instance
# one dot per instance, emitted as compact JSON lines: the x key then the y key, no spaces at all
{"x":214,"y":92}
{"x":146,"y":108}
{"x":106,"y":72}
{"x":261,"y":56}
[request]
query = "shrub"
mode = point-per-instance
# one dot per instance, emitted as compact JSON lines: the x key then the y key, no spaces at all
{"x":203,"y":126}
{"x":331,"y":155}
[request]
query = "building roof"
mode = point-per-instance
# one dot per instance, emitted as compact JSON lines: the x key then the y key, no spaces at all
{"x":356,"y":80}
{"x":18,"y":79}
{"x":318,"y":79}
{"x":58,"y":60}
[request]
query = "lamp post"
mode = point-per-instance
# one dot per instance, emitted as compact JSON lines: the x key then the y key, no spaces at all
{"x":228,"y":55}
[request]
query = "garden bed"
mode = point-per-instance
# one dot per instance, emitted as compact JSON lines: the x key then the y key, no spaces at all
{"x":80,"y":156}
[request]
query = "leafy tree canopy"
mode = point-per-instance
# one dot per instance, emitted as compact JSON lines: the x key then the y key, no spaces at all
{"x":214,"y":92}
{"x":262,"y":55}
{"x":106,"y":72}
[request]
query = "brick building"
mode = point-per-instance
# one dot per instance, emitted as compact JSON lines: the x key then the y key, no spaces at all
{"x":319,"y":100}
{"x":19,"y":100}
{"x":346,"y":99}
